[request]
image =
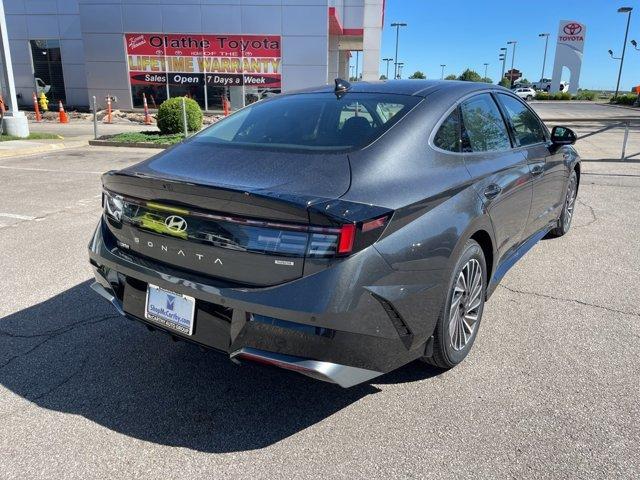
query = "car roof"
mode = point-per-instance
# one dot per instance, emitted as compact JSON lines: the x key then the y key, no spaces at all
{"x":420,"y":88}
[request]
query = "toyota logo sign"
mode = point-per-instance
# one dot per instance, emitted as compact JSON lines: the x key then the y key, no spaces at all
{"x":572,"y":28}
{"x":176,"y":224}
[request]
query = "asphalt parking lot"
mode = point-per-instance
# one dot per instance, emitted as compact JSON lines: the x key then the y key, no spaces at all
{"x":550,"y":390}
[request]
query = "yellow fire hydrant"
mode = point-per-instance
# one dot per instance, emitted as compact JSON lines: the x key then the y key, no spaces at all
{"x":44,"y":103}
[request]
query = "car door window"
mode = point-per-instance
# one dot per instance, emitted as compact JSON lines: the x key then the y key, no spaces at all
{"x":483,"y":128}
{"x":526,"y":127}
{"x":448,"y":135}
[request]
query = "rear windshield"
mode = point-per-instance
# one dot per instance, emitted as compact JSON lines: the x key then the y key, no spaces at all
{"x":314,"y":121}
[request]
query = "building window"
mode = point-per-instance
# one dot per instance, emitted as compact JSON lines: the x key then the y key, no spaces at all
{"x":205,"y":68}
{"x":47,"y":69}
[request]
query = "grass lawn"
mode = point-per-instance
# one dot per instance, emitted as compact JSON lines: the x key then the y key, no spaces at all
{"x":146,"y":137}
{"x":32,"y":136}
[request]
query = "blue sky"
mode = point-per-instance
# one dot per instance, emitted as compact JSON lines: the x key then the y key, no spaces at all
{"x":467,"y":33}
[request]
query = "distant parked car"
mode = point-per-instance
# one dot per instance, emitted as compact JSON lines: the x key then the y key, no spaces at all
{"x":527,"y":93}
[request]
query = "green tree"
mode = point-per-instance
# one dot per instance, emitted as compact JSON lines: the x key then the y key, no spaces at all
{"x":505,"y":82}
{"x":418,"y":75}
{"x":470,"y":76}
{"x":486,"y":80}
{"x":451,"y":77}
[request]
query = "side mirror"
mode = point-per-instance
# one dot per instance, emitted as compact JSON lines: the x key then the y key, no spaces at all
{"x":563,"y":136}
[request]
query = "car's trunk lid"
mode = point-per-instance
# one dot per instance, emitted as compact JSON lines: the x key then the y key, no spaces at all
{"x":246,"y":212}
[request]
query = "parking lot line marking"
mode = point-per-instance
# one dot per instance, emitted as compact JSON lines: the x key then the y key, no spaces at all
{"x":16,"y":216}
{"x":49,"y":170}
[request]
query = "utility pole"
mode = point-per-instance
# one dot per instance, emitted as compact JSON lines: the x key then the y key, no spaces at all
{"x":503,"y":54}
{"x":486,"y":65}
{"x":14,"y":122}
{"x":513,"y":58}
{"x":544,"y":59}
{"x":442,"y":73}
{"x":626,"y":10}
{"x":387,"y":60}
{"x":397,"y":25}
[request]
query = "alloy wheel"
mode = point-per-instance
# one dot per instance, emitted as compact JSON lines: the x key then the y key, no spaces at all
{"x":570,"y":202}
{"x":466,"y":302}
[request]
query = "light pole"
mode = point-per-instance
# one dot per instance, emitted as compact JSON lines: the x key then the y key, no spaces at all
{"x":442,"y":65}
{"x":387,"y":60}
{"x":626,"y":10}
{"x":357,"y":61}
{"x":486,"y":65}
{"x":544,"y":59}
{"x":395,"y":62}
{"x":513,"y":57}
{"x":400,"y":65}
{"x":14,"y":122}
{"x":503,"y":54}
{"x":351,"y":69}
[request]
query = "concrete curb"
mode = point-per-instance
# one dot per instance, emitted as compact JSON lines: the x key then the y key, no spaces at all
{"x":43,"y":148}
{"x":109,"y":143}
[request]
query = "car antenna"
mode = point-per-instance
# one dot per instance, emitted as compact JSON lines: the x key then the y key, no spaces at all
{"x":342,"y":86}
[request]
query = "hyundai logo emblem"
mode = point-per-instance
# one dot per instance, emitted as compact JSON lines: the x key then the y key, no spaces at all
{"x":176,"y":224}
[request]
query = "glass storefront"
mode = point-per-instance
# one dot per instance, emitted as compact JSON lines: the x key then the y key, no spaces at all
{"x":47,"y":69}
{"x":206,"y":68}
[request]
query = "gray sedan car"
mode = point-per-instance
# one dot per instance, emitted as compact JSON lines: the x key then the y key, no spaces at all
{"x":341,"y":231}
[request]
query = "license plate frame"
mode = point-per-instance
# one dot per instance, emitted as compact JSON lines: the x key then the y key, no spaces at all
{"x":169,"y":309}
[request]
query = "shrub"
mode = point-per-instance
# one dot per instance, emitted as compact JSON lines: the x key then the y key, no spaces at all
{"x":170,"y":116}
{"x":542,"y":95}
{"x":585,"y":95}
{"x":561,"y":96}
{"x":626,"y":99}
{"x":504,"y":82}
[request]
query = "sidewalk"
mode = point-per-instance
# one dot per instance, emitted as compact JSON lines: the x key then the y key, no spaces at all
{"x":75,"y":134}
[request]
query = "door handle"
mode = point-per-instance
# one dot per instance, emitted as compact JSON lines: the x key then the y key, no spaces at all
{"x":537,"y":170}
{"x":492,"y":191}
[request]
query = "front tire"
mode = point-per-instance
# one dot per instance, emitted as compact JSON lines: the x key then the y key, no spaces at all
{"x":564,"y":222}
{"x":460,"y":317}
{"x":529,"y":98}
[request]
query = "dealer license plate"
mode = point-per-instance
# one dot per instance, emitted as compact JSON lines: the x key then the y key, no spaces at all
{"x":170,"y":309}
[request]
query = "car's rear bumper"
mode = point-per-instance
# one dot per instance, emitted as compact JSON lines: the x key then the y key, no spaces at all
{"x":347,"y":324}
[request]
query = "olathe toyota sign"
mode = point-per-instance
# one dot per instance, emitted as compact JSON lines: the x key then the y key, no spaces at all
{"x":130,"y":50}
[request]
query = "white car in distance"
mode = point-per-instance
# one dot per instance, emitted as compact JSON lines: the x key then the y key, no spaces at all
{"x":527,"y":93}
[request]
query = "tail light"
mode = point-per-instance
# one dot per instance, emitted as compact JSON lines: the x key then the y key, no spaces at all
{"x":348,"y":239}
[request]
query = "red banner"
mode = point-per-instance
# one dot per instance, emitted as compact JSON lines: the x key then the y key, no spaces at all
{"x":233,"y":60}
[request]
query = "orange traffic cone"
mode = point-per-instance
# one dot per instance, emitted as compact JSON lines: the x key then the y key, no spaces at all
{"x":36,"y":108}
{"x":109,"y":109}
{"x":62,"y":115}
{"x":225,"y":106}
{"x":147,"y":117}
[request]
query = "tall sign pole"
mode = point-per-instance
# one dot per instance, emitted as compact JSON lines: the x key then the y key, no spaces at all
{"x":569,"y":53}
{"x":14,"y":122}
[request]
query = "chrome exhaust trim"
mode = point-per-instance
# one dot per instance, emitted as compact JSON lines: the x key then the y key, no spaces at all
{"x":343,"y":375}
{"x":104,"y":293}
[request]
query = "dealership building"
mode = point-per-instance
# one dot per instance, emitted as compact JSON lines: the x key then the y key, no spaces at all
{"x":205,"y":49}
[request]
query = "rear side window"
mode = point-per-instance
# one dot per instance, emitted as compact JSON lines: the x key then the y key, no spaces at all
{"x":526,"y":126}
{"x":483,"y":129}
{"x":448,"y":135}
{"x":314,"y":121}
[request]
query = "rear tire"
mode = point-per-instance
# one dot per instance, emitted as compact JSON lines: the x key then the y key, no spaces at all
{"x":564,"y":222}
{"x":461,"y":313}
